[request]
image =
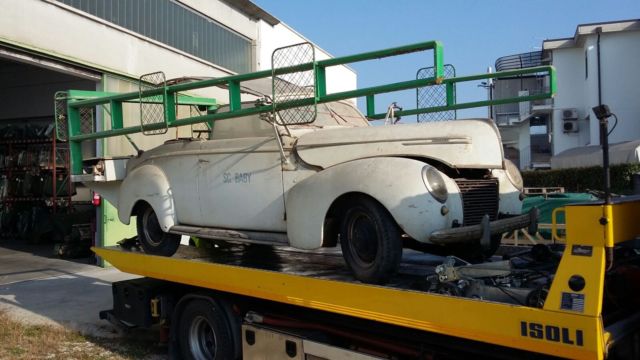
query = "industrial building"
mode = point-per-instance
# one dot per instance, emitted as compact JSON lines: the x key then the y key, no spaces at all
{"x":48,"y":46}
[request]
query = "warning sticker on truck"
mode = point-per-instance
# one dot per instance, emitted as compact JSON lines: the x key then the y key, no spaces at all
{"x":572,"y":302}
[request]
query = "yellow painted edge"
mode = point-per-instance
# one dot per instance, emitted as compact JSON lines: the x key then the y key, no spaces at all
{"x":484,"y":321}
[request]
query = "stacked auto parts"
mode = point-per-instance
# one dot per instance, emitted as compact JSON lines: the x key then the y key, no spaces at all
{"x":34,"y":181}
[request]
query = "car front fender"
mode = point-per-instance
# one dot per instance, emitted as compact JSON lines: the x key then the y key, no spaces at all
{"x":510,"y":196}
{"x":147,"y":183}
{"x":394,"y":182}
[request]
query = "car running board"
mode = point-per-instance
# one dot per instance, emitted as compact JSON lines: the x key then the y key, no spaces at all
{"x":255,"y":237}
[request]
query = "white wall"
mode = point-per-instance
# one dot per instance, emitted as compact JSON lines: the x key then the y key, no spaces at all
{"x":62,"y":33}
{"x":620,"y":75}
{"x":589,"y":88}
{"x":339,"y":78}
{"x":518,"y":136}
{"x":620,"y":56}
{"x":569,"y":64}
{"x":524,"y":140}
{"x":67,"y":35}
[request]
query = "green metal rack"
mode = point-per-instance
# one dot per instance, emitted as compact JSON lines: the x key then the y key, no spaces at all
{"x":168,"y":97}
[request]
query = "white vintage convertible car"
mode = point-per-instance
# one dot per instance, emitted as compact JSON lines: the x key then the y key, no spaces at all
{"x":440,"y":187}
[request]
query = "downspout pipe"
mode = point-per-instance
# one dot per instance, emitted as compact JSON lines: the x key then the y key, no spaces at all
{"x":599,"y":31}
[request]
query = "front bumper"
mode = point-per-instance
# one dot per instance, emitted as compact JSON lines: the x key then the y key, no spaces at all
{"x":486,"y":229}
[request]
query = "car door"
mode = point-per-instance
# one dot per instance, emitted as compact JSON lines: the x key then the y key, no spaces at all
{"x":240,"y":180}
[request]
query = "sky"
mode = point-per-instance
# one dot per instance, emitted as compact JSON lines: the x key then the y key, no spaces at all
{"x":474,"y":33}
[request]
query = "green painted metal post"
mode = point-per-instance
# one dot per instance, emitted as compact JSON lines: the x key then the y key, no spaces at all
{"x":438,"y":61}
{"x":117,"y":121}
{"x":371,"y":106}
{"x":450,"y":94}
{"x":321,"y":81}
{"x":553,"y":82}
{"x":235,"y":102}
{"x":75,"y":146}
{"x":169,"y":107}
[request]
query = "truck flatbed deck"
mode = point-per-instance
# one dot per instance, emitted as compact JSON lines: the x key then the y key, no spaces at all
{"x":319,"y":281}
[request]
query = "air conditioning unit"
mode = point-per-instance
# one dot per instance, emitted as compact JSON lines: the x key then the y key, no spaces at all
{"x":569,"y":125}
{"x":570,"y":114}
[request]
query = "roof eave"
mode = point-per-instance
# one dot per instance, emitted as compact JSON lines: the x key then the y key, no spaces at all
{"x":253,"y":11}
{"x":583,"y":30}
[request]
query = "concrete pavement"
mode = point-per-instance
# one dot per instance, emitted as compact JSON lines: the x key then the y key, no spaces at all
{"x":37,"y":287}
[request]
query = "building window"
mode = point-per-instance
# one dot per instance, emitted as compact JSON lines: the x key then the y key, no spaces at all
{"x":177,"y":26}
{"x":586,"y":65}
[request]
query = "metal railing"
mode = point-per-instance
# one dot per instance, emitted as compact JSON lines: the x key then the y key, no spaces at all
{"x":519,"y":61}
{"x":505,"y":111}
{"x":168,"y":96}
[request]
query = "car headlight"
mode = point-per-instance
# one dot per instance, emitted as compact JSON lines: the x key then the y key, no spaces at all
{"x":435,"y":183}
{"x":514,"y":174}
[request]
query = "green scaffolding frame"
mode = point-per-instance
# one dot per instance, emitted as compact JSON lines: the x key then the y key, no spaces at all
{"x":170,"y":98}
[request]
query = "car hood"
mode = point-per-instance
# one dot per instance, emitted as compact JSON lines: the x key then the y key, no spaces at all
{"x":473,"y":143}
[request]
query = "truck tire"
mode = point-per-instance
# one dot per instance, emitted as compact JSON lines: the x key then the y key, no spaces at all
{"x":370,"y":240}
{"x":152,"y":239}
{"x":204,"y":332}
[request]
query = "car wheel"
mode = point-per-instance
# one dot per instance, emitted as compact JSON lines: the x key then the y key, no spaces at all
{"x":371,"y":241}
{"x":204,"y":332}
{"x":152,"y":239}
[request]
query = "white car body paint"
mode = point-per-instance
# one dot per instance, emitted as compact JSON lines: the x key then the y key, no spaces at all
{"x":415,"y":211}
{"x":459,"y":144}
{"x":240,"y":179}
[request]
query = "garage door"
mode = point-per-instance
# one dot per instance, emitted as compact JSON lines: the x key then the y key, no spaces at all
{"x":38,"y":204}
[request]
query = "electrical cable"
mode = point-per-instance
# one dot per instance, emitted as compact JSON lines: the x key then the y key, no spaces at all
{"x":614,"y":124}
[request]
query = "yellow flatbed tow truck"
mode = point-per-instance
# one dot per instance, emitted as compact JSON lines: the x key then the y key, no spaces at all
{"x":576,"y":300}
{"x":292,"y":304}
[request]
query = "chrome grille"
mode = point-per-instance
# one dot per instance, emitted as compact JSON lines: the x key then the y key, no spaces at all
{"x":479,"y":197}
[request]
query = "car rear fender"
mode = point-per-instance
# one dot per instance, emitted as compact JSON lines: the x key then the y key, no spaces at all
{"x":147,"y":183}
{"x":394,"y":182}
